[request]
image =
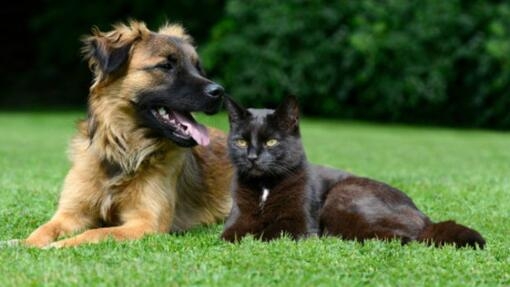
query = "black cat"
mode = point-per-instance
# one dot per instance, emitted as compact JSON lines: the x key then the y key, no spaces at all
{"x":276,"y":191}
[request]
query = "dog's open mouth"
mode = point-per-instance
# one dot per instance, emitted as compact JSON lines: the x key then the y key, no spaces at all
{"x":182,"y":124}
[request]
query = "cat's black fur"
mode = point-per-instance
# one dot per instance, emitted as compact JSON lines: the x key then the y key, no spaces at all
{"x":293,"y":198}
{"x":304,"y":199}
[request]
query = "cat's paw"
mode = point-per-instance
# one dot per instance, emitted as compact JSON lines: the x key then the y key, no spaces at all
{"x":231,"y":237}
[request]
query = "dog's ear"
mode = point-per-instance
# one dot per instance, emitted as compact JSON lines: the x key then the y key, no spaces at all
{"x":235,"y":112}
{"x":175,"y":30}
{"x":287,"y":114}
{"x":107,"y":52}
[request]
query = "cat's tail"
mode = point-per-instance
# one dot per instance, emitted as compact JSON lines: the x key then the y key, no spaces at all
{"x":450,"y":232}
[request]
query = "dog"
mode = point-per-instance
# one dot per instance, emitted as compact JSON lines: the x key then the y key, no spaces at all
{"x":141,"y":164}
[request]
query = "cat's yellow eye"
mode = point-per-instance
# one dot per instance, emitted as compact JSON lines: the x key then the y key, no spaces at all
{"x":271,"y":142}
{"x":241,"y":143}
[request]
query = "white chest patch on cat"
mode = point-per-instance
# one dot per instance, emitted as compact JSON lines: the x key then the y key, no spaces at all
{"x":265,"y":194}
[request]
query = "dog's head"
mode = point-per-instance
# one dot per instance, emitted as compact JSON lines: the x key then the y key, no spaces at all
{"x":158,"y":74}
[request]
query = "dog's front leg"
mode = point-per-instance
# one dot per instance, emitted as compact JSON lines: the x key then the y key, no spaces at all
{"x":148,"y":210}
{"x":73,"y":213}
{"x":61,"y":224}
{"x":128,"y":231}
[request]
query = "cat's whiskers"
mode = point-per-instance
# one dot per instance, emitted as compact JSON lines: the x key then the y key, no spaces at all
{"x":286,"y":170}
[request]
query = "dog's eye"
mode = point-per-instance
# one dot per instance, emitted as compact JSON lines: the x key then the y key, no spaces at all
{"x":167,"y":66}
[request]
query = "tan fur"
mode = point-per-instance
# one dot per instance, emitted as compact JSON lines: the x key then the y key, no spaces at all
{"x":157,"y":185}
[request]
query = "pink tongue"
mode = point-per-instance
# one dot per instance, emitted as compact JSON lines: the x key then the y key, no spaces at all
{"x":197,"y":131}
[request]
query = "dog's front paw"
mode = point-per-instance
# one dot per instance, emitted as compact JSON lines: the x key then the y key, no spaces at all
{"x":64,"y":243}
{"x":54,"y":245}
{"x":11,"y":243}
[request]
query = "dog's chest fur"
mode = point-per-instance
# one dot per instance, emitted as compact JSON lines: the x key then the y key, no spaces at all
{"x":118,"y":187}
{"x":107,"y":211}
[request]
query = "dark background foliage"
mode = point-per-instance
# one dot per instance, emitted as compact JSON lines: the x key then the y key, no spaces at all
{"x":431,"y":62}
{"x":40,"y":59}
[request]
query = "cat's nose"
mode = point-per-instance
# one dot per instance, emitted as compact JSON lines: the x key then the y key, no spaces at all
{"x":252,"y":157}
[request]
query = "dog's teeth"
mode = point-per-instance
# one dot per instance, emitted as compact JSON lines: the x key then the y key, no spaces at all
{"x":162,"y":111}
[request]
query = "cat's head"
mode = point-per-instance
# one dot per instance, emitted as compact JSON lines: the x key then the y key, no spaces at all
{"x":265,"y":142}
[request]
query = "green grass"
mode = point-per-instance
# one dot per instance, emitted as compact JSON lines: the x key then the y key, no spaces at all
{"x":450,"y":174}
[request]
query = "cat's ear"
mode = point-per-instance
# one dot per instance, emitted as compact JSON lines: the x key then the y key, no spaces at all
{"x":235,"y":111}
{"x":287,"y":114}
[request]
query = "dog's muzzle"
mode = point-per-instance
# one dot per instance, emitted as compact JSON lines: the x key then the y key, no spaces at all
{"x":215,"y":93}
{"x":214,"y":90}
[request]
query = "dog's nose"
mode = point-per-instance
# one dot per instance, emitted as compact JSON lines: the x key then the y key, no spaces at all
{"x":214,"y":90}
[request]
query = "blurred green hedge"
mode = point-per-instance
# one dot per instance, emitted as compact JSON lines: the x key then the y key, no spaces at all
{"x":431,"y":62}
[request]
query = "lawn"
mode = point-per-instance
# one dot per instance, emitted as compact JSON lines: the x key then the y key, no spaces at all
{"x":450,"y":174}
